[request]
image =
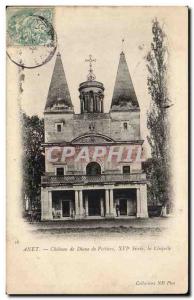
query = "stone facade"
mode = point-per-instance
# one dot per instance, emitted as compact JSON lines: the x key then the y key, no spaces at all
{"x":87,"y":173}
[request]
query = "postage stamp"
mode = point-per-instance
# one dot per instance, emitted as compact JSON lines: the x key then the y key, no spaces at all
{"x":31,"y":38}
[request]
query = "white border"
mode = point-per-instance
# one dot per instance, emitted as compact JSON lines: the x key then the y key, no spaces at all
{"x":3,"y":4}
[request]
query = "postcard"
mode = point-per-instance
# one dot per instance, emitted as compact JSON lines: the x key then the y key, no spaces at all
{"x":97,"y":150}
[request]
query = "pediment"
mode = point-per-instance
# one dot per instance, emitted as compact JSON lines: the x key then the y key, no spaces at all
{"x":92,"y":139}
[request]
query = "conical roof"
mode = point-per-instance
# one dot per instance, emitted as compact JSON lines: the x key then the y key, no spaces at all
{"x":124,"y":97}
{"x":58,"y":94}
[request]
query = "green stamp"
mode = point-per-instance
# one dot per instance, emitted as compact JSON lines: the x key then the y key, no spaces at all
{"x":30,"y":26}
{"x":31,"y":38}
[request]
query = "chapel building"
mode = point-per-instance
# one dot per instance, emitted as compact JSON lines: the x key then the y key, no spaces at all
{"x":92,"y":164}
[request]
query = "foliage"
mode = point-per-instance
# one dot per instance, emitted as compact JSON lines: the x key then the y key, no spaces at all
{"x":157,"y":117}
{"x":33,"y":159}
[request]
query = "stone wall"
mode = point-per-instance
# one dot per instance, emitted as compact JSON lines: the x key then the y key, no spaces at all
{"x":122,"y":132}
{"x":72,"y":166}
{"x":83,"y":124}
{"x":119,"y":126}
{"x":50,"y":122}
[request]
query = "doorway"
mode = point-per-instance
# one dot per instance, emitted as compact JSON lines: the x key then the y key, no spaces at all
{"x":66,"y":208}
{"x":93,"y":168}
{"x":94,"y":208}
{"x":123,"y":207}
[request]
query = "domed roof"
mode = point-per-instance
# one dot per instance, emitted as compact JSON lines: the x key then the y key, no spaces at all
{"x":89,"y":83}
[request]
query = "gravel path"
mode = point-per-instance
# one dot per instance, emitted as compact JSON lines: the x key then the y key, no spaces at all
{"x":102,"y":228}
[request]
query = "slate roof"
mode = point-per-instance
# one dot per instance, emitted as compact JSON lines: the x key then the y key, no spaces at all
{"x":58,"y":93}
{"x":124,"y":97}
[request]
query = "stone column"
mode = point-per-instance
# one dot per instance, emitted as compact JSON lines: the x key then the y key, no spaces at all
{"x":85,"y":104}
{"x":143,"y":199}
{"x":77,"y":212}
{"x":82,"y":105}
{"x":91,"y":103}
{"x":95,"y":103}
{"x":46,"y":204}
{"x":107,"y":202}
{"x":50,"y":205}
{"x":142,"y":209}
{"x":61,"y":208}
{"x":98,"y":106}
{"x":86,"y":204}
{"x":130,"y":207}
{"x":111,"y":203}
{"x":102,"y":207}
{"x":102,"y":106}
{"x":43,"y":198}
{"x":71,"y":208}
{"x":81,"y":209}
{"x":138,"y":203}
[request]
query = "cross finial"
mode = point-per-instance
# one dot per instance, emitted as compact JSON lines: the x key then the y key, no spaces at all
{"x":123,"y":40}
{"x":91,"y":75}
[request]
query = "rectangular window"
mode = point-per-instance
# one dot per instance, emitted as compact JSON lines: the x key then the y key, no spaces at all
{"x":59,"y":127}
{"x":125,"y":125}
{"x":126,"y":169}
{"x":60,"y":171}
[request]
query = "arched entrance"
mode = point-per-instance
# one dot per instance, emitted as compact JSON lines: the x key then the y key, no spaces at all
{"x":93,"y":168}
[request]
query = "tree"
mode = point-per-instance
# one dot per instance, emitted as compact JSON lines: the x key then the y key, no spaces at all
{"x":157,"y":117}
{"x":33,"y":159}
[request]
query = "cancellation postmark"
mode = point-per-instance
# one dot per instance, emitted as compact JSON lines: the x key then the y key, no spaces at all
{"x":31,"y":38}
